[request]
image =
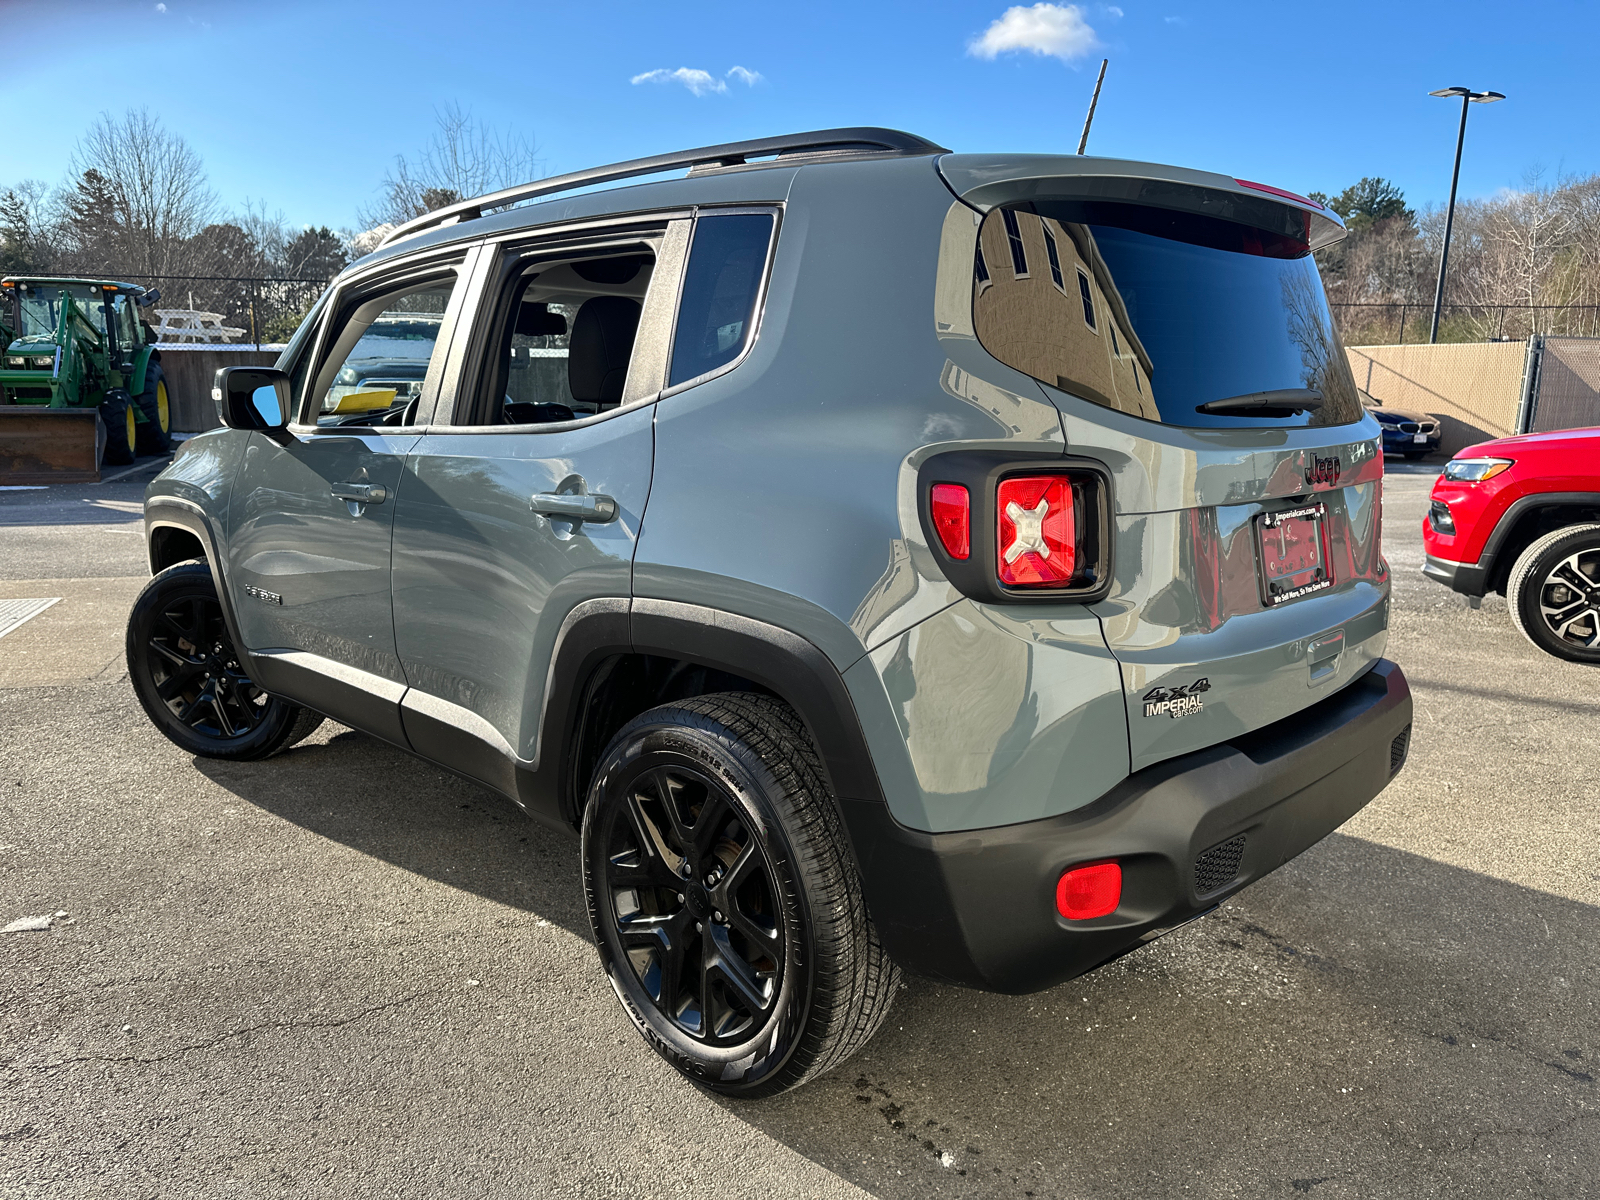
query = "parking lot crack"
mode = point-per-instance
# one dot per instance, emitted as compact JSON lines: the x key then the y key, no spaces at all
{"x":265,"y":1026}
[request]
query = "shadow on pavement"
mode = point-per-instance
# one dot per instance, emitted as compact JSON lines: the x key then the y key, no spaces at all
{"x":372,"y":797}
{"x":1364,"y":1022}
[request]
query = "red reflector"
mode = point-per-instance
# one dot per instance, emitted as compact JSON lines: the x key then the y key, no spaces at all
{"x":1272,"y":191}
{"x":1091,"y":891}
{"x":1038,"y":531}
{"x":952,"y":518}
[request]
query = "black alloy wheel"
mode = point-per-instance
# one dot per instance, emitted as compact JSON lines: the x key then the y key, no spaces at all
{"x":189,"y":677}
{"x":693,"y":903}
{"x":1554,"y":593}
{"x":723,"y":899}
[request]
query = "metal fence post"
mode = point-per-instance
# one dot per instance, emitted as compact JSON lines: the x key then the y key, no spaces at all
{"x":1527,"y":407}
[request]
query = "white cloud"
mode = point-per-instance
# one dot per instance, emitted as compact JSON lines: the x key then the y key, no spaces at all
{"x":1114,"y":11}
{"x":161,"y":8}
{"x":750,"y":78}
{"x":697,"y":81}
{"x":1054,"y":29}
{"x":1174,"y":20}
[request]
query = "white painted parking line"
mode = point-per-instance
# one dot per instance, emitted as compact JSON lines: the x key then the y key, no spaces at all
{"x":153,"y":464}
{"x":16,"y":612}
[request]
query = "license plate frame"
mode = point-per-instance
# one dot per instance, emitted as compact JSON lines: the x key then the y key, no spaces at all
{"x":1292,"y":554}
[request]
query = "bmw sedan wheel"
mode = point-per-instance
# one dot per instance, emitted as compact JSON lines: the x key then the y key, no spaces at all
{"x":723,"y":898}
{"x":1554,"y":593}
{"x":188,"y":676}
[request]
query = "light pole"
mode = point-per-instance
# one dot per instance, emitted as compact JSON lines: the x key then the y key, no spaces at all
{"x":1468,"y":96}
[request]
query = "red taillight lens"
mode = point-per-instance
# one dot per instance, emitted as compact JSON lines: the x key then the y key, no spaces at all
{"x":951,"y":509}
{"x":1038,"y":531}
{"x":1084,"y":893}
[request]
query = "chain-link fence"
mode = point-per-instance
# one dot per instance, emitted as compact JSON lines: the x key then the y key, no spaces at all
{"x":1563,"y":385}
{"x":218,"y":309}
{"x":1402,"y":324}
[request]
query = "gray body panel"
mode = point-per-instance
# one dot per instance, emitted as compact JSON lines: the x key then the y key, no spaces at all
{"x":326,"y":558}
{"x":482,"y":583}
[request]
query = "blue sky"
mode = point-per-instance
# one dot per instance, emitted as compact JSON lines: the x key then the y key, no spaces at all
{"x":303,"y":105}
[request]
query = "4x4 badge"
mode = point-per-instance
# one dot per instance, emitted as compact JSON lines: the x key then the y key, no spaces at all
{"x":1180,"y":701}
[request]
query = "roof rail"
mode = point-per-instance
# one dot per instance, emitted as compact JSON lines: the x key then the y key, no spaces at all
{"x":890,"y":142}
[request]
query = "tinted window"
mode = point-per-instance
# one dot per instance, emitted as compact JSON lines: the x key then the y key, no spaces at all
{"x":1199,"y":309}
{"x":381,"y":355}
{"x":720,"y":288}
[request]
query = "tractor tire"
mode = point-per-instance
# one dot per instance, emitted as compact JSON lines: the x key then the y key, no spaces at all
{"x":154,"y":404}
{"x":121,"y":438}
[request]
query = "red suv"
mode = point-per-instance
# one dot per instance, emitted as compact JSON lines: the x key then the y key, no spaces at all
{"x":1521,"y":516}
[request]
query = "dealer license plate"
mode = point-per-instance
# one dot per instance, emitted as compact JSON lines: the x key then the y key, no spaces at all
{"x":1294,"y":553}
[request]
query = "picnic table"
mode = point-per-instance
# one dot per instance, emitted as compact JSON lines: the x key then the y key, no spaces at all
{"x":192,"y":325}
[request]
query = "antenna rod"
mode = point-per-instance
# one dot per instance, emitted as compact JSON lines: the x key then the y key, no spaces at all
{"x":1094,"y":100}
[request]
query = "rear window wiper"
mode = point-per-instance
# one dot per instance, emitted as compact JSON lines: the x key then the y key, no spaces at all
{"x":1284,"y":402}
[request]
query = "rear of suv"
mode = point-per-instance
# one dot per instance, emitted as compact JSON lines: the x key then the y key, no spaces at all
{"x":884,"y":559}
{"x":1521,"y":516}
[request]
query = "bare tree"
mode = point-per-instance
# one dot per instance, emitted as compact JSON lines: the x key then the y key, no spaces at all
{"x":139,"y":195}
{"x":463,"y":158}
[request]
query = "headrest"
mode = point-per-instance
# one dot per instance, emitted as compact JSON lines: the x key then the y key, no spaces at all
{"x":599,"y":349}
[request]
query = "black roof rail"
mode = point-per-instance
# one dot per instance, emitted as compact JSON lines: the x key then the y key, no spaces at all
{"x":890,"y":142}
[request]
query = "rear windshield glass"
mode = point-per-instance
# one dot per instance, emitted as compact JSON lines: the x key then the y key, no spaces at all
{"x":1157,"y":313}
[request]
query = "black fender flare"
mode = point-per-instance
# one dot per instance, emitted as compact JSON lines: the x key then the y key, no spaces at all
{"x":1517,"y":510}
{"x":783,"y":662}
{"x":174,"y":512}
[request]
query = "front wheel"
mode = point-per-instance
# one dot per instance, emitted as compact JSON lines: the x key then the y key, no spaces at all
{"x":724,"y":900}
{"x":1554,"y":593}
{"x":187,"y":674}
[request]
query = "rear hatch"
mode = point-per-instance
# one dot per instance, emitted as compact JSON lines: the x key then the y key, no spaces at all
{"x":1177,"y":321}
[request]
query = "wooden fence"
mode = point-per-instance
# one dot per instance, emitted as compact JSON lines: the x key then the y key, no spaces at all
{"x":190,"y":371}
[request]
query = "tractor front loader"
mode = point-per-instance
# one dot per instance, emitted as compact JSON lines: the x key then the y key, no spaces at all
{"x":80,"y":383}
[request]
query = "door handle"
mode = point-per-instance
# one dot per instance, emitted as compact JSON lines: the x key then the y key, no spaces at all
{"x":360,"y":493}
{"x":596,"y":508}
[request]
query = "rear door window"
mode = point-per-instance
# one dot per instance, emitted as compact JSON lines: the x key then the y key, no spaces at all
{"x":1198,"y":310}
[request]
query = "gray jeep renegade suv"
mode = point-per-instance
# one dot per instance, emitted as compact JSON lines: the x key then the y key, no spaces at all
{"x":886,"y":559}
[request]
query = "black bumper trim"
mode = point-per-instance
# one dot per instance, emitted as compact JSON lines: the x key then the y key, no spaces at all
{"x":1469,"y":579}
{"x":977,"y":907}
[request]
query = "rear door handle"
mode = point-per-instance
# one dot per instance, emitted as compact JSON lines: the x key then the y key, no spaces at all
{"x":360,"y":493}
{"x":598,"y":509}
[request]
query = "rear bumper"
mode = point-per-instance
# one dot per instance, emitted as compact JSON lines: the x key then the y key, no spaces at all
{"x":1470,"y":579}
{"x":978,"y":907}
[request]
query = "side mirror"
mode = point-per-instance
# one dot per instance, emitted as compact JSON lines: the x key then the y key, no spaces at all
{"x":149,"y":298}
{"x":254,"y":398}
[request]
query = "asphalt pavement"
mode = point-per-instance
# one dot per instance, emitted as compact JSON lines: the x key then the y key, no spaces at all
{"x":344,"y":973}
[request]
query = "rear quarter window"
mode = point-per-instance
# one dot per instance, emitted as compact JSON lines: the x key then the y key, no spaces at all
{"x":1156,"y":313}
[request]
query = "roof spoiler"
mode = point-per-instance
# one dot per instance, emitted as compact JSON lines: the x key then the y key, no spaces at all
{"x":864,"y":140}
{"x":986,"y":180}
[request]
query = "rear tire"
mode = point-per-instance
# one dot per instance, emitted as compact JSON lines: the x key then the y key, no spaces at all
{"x":117,"y":412}
{"x":1554,"y":598}
{"x":154,"y":403}
{"x":186,"y":673}
{"x":724,"y":899}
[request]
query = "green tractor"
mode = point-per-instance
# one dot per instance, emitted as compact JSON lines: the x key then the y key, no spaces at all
{"x":81,"y":384}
